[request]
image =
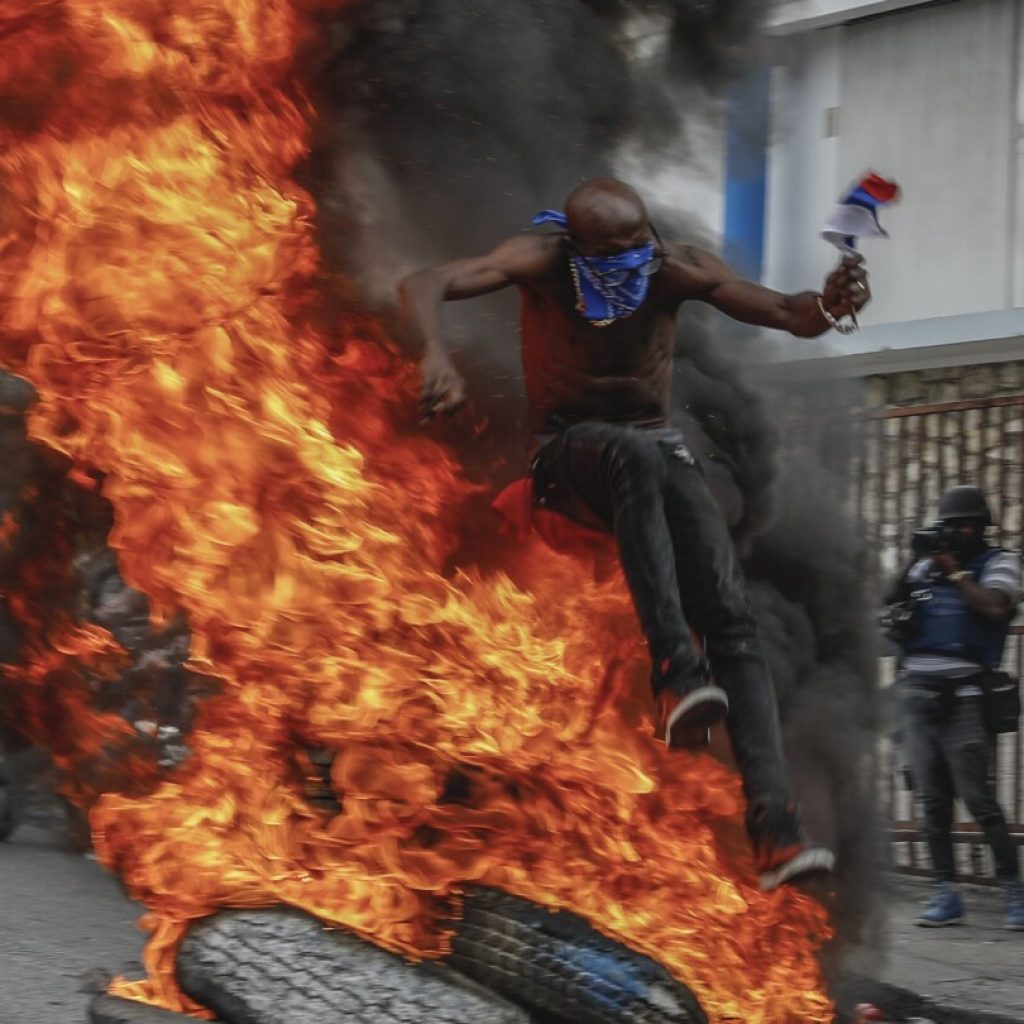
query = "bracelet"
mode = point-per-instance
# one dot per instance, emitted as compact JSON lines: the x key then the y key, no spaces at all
{"x":836,"y":325}
{"x":957,"y":576}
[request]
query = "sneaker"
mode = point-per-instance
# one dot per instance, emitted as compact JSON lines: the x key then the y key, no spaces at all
{"x":794,"y":864}
{"x":1014,"y":906}
{"x":944,"y":908}
{"x":780,"y":850}
{"x":684,"y":720}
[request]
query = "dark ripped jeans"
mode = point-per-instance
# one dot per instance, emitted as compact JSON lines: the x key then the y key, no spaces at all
{"x":682,"y":571}
{"x":950,"y":751}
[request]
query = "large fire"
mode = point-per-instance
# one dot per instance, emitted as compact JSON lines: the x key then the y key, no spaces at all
{"x":156,"y":271}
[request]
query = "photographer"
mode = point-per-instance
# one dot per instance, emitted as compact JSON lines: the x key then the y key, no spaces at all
{"x":956,"y":597}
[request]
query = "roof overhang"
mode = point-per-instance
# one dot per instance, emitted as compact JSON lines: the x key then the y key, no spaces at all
{"x":967,"y":340}
{"x":794,"y":16}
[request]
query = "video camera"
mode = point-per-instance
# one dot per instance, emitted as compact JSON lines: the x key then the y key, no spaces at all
{"x":942,"y":535}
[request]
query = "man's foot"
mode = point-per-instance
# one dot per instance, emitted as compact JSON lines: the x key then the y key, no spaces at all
{"x":782,"y":854}
{"x":684,"y":720}
{"x":1014,"y":905}
{"x":794,"y":864}
{"x":944,"y":908}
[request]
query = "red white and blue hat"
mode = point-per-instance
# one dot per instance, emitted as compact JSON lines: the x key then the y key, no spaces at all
{"x":856,"y":214}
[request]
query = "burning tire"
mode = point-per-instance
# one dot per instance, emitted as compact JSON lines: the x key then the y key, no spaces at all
{"x":557,"y":966}
{"x":278,"y":966}
{"x":275,"y":966}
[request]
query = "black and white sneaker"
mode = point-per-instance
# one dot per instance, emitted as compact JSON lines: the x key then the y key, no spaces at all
{"x":782,"y":854}
{"x":684,"y":720}
{"x":797,"y":864}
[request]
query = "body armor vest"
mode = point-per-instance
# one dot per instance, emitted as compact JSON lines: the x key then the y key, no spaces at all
{"x":945,"y":625}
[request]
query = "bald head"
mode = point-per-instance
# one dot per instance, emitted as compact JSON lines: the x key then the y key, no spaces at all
{"x":606,"y":215}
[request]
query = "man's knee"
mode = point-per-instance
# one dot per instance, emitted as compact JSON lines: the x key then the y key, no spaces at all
{"x":938,"y":815}
{"x":986,"y":811}
{"x":982,"y":804}
{"x":970,"y":760}
{"x":976,"y":790}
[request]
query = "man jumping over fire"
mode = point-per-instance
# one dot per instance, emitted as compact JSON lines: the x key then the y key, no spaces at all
{"x":599,"y":302}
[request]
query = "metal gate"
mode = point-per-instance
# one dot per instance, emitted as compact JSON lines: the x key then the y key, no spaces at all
{"x":907,"y":458}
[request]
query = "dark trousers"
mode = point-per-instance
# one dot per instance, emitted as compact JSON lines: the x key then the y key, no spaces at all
{"x":682,"y":571}
{"x":950,"y":752}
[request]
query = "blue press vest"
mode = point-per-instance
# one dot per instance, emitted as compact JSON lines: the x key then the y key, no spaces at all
{"x":947,"y":626}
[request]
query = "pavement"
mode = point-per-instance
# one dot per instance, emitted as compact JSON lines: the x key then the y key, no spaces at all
{"x":68,"y":926}
{"x":976,"y":967}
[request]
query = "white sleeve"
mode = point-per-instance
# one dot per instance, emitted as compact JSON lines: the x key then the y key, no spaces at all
{"x":1003,"y":572}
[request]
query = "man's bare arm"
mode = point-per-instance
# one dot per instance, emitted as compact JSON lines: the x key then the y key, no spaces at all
{"x":702,"y":275}
{"x":421,"y":295}
{"x":987,"y":601}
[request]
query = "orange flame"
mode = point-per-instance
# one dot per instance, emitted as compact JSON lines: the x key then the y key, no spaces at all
{"x":156,"y":263}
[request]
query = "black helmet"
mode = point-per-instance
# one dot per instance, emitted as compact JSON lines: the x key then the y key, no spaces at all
{"x":965,"y":503}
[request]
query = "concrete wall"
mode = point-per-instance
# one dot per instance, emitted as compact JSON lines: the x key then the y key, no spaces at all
{"x":930,"y":95}
{"x":948,"y":384}
{"x":927,"y":95}
{"x":803,"y":161}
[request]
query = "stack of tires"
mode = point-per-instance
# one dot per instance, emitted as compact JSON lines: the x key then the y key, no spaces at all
{"x":512,"y":962}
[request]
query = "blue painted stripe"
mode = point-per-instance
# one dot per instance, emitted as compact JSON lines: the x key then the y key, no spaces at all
{"x":746,"y":165}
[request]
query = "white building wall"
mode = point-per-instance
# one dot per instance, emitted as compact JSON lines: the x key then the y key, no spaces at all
{"x":802,"y":161}
{"x":1017,"y":128}
{"x":928,"y":94}
{"x":927,"y":97}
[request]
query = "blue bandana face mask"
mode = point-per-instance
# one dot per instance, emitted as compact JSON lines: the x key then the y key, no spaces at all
{"x":608,"y":288}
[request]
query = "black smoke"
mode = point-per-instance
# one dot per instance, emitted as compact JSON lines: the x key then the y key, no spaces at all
{"x":465,"y":116}
{"x":811,"y":585}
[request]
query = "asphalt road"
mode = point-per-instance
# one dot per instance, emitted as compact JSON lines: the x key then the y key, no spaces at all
{"x":64,"y":921}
